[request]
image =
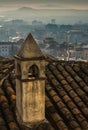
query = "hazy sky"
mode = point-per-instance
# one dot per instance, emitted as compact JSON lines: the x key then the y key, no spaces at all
{"x":60,"y":4}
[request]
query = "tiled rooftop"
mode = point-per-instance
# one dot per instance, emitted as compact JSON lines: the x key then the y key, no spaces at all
{"x":66,"y":96}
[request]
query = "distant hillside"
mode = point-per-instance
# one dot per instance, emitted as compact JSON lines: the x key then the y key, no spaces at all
{"x":25,"y":9}
{"x":62,"y":16}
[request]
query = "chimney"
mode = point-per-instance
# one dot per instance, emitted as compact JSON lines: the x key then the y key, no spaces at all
{"x":30,"y":83}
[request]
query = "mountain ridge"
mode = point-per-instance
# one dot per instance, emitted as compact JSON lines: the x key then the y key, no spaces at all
{"x":30,"y":8}
{"x":25,"y":8}
{"x":65,"y":16}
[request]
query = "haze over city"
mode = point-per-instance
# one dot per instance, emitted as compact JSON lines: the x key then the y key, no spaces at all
{"x":60,"y":4}
{"x":64,"y":11}
{"x":56,"y":25}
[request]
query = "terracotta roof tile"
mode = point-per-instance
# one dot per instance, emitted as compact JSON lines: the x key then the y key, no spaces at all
{"x":55,"y":119}
{"x":7,"y":113}
{"x":61,"y":107}
{"x":66,"y":96}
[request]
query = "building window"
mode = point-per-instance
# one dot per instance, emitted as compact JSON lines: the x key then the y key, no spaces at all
{"x":33,"y":71}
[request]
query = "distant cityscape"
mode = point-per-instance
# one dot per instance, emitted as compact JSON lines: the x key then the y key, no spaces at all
{"x":65,"y":42}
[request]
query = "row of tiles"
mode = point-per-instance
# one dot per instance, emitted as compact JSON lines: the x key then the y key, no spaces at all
{"x":66,"y":98}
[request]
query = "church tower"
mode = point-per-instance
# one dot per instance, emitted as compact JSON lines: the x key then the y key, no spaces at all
{"x":30,"y":82}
